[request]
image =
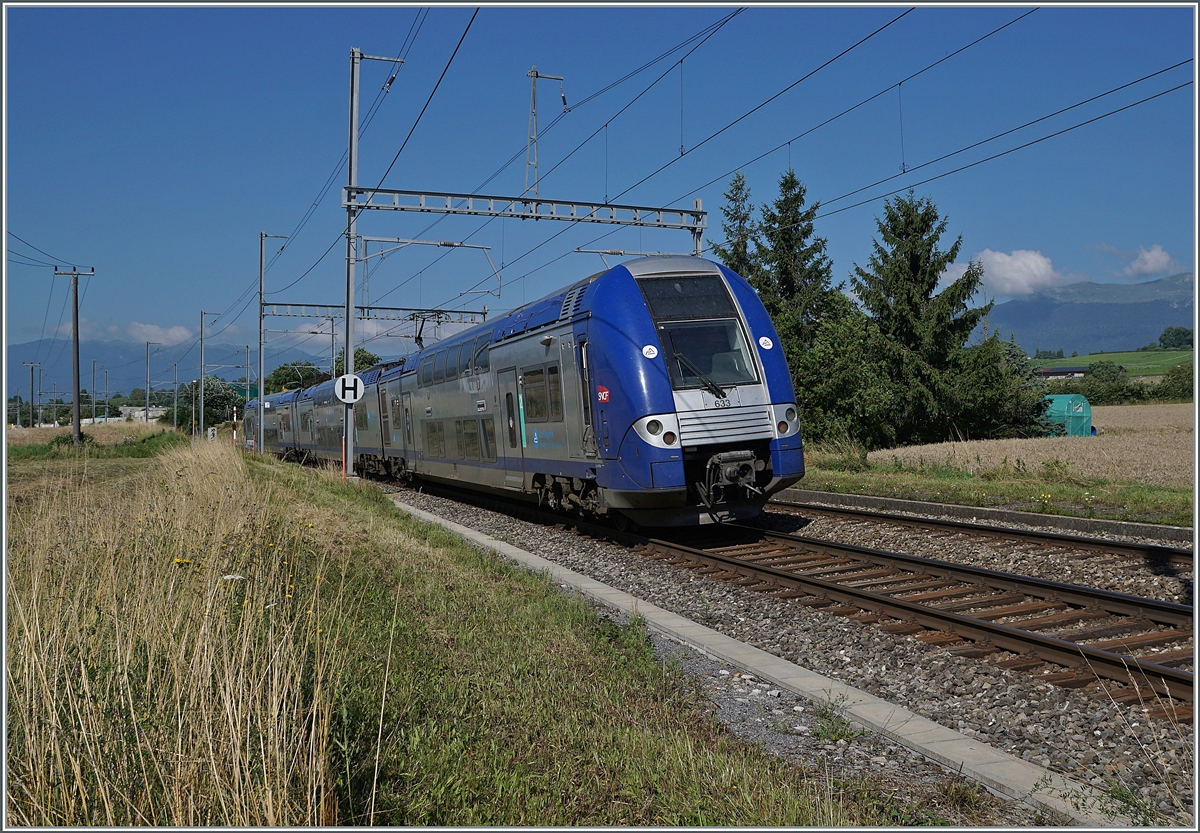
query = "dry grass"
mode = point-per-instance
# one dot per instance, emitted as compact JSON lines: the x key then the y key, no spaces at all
{"x":113,"y":433}
{"x":163,"y":663}
{"x":1151,"y":445}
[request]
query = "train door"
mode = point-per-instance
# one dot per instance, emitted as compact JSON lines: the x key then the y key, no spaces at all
{"x":586,"y":446}
{"x":512,"y":414}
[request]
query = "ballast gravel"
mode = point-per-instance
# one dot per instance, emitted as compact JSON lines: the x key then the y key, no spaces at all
{"x":1114,"y":748}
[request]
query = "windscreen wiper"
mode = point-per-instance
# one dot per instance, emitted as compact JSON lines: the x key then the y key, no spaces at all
{"x":709,"y":385}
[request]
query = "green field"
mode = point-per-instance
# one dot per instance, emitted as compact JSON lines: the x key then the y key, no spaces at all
{"x":1136,"y":363}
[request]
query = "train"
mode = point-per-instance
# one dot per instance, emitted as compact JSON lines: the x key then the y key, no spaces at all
{"x":654,"y":392}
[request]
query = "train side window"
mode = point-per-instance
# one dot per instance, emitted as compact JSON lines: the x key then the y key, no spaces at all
{"x":427,"y":371}
{"x":482,"y":346}
{"x":435,"y":439}
{"x":464,"y":359}
{"x":452,"y":363}
{"x":512,"y":420}
{"x":554,"y":391}
{"x":535,"y":394}
{"x":408,"y":433}
{"x":487,"y":440}
{"x":439,"y":367}
{"x":360,"y":417}
{"x":285,"y":423}
{"x":467,"y":431}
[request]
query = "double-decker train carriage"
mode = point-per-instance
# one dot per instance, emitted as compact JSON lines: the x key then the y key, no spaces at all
{"x":655,"y":391}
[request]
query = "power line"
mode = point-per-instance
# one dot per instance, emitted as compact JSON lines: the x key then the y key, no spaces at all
{"x":1004,"y":152}
{"x":704,"y":33}
{"x":431,"y":95}
{"x":851,"y":109}
{"x":753,"y":110}
{"x":727,"y":126}
{"x":409,"y":40}
{"x":36,"y":249}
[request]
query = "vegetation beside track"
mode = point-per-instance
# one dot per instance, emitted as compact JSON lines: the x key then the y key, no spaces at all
{"x":1140,"y":469}
{"x":226,"y":641}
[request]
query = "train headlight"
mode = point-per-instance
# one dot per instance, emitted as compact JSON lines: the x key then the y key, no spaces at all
{"x":791,"y":415}
{"x":783,"y":428}
{"x":654,"y":427}
{"x":669,"y":438}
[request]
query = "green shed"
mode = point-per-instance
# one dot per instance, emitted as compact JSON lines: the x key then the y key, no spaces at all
{"x":1073,"y":411}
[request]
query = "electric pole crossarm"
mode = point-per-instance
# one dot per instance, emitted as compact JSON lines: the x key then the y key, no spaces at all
{"x":477,"y":205}
{"x":379,"y":313}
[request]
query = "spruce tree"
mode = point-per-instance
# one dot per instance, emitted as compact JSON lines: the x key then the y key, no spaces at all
{"x":740,"y":229}
{"x":796,"y":276}
{"x":897,"y":288}
{"x":923,"y":333}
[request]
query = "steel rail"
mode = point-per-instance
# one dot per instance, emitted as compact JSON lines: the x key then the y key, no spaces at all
{"x":1156,"y":610}
{"x":1152,"y":553}
{"x":1162,"y":679}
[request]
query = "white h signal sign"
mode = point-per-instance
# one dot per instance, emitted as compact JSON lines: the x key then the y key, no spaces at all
{"x":349,"y":388}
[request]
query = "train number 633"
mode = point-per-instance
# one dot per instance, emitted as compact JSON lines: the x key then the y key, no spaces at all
{"x":722,"y":403}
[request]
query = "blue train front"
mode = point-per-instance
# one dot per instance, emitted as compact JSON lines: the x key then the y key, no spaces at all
{"x":655,"y":391}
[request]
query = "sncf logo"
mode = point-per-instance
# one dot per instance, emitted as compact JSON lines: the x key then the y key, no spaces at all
{"x":601,"y":393}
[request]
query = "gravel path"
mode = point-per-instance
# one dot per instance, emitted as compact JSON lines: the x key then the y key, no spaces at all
{"x":1072,"y":732}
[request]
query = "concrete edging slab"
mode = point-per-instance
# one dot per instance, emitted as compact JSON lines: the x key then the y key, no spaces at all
{"x":1002,"y":773}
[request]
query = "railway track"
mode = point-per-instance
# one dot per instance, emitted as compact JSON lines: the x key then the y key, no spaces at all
{"x":1063,"y":634}
{"x":1018,"y":622}
{"x":1161,"y":560}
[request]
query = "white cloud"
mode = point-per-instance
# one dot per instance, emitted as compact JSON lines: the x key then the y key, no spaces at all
{"x":1153,"y":261}
{"x":1023,"y":272}
{"x":134,"y":331}
{"x":152,"y":332}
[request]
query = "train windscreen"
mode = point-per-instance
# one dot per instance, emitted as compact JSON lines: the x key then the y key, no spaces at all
{"x":699,"y":331}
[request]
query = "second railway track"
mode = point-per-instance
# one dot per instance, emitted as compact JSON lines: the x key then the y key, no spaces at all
{"x":1019,"y":622}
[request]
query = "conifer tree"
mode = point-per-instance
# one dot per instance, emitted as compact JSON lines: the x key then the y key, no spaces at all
{"x":897,"y":288}
{"x":740,"y":229}
{"x":795,"y":281}
{"x":923,"y":333}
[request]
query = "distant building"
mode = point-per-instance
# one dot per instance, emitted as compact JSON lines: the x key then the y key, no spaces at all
{"x":138,"y":412}
{"x":1052,"y":373}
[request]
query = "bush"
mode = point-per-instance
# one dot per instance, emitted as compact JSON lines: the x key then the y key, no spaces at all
{"x":1177,"y":384}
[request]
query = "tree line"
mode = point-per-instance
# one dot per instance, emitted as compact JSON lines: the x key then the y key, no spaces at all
{"x":890,"y":366}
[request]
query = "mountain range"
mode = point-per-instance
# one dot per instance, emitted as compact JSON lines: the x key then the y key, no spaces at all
{"x":1081,"y":317}
{"x":1091,"y":317}
{"x":126,"y":365}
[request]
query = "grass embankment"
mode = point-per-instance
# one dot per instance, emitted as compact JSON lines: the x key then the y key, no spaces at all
{"x":1139,"y":469}
{"x":1136,"y":362}
{"x":230,"y":642}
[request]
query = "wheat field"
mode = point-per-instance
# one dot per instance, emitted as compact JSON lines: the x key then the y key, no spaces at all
{"x":1149,"y":444}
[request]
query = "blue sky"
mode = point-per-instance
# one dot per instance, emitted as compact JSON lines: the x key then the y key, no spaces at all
{"x":154,"y":144}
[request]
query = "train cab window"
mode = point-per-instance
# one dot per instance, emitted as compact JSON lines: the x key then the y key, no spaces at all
{"x":535,"y":394}
{"x":482,"y":345}
{"x":701,"y":353}
{"x":464,"y":359}
{"x":700,"y":331}
{"x":675,"y":298}
{"x":439,"y":367}
{"x":554,"y":392}
{"x":427,"y":371}
{"x":452,"y":363}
